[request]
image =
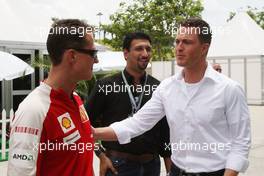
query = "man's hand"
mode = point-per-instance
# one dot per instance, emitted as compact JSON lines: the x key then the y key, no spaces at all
{"x":168,"y":163}
{"x":230,"y":172}
{"x":105,"y":164}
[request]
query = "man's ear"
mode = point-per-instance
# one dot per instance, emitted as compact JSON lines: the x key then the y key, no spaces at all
{"x":125,"y":53}
{"x":70,"y":55}
{"x":205,"y":49}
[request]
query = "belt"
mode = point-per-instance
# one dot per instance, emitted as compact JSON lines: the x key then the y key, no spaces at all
{"x":143,"y":158}
{"x":180,"y":172}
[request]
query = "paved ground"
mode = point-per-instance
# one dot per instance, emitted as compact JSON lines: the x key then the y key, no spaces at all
{"x":256,"y":157}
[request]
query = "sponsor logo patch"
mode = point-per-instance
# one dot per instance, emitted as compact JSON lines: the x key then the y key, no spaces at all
{"x":23,"y":157}
{"x":28,"y":130}
{"x":73,"y":137}
{"x":66,"y":122}
{"x":83,"y":114}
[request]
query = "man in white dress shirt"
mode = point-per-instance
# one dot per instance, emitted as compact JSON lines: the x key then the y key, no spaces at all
{"x":206,"y":111}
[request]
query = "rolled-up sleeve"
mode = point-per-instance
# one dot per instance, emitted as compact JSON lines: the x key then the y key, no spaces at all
{"x":142,"y":121}
{"x":239,"y":126}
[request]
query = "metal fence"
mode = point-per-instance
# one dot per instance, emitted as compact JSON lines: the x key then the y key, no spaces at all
{"x":4,"y":134}
{"x":248,"y":71}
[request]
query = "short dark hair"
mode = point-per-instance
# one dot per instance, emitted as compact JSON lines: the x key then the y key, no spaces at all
{"x":132,"y":36}
{"x":66,"y":34}
{"x":205,"y":33}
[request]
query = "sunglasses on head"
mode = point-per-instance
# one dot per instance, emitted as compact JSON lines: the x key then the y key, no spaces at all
{"x":91,"y":52}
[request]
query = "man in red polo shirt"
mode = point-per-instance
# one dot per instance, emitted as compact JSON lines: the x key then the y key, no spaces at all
{"x":51,"y":132}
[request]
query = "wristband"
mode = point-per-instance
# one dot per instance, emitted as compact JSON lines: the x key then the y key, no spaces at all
{"x":99,"y":151}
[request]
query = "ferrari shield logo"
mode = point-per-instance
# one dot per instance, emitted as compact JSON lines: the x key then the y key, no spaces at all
{"x":83,"y":114}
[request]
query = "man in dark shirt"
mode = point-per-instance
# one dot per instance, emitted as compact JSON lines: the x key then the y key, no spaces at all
{"x":115,"y":98}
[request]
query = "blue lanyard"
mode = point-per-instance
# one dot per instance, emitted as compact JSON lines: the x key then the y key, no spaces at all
{"x":135,"y":106}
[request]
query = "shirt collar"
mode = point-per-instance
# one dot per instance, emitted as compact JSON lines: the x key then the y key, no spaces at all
{"x":209,"y":74}
{"x":130,"y":78}
{"x":58,"y":93}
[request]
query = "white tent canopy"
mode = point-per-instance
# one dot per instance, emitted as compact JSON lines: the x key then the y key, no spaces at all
{"x":241,"y":36}
{"x":239,"y":49}
{"x":109,"y":60}
{"x":12,"y":67}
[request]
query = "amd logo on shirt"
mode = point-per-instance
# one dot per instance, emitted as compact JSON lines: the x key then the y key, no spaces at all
{"x":23,"y":157}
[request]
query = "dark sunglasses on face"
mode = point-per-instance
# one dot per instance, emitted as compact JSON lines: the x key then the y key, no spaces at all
{"x":91,"y":52}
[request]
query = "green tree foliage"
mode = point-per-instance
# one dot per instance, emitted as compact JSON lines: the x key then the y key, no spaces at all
{"x":158,"y":18}
{"x":254,"y":13}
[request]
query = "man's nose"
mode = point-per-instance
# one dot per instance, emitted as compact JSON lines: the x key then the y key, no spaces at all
{"x":145,"y":52}
{"x":179,"y":47}
{"x":96,"y":60}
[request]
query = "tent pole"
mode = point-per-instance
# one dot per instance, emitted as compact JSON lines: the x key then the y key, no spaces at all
{"x":262,"y":79}
{"x":245,"y":77}
{"x":229,"y":67}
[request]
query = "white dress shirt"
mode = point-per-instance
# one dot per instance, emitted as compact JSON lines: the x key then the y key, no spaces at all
{"x":209,"y":129}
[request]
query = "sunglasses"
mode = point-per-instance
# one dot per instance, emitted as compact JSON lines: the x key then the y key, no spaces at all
{"x":91,"y":52}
